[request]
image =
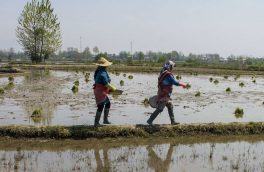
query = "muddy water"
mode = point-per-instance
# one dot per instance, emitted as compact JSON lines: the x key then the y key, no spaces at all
{"x":186,"y":154}
{"x":51,"y":92}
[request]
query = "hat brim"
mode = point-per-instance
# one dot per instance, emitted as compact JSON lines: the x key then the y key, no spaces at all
{"x":105,"y":64}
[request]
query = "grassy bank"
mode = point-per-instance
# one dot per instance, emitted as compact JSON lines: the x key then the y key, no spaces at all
{"x":115,"y":131}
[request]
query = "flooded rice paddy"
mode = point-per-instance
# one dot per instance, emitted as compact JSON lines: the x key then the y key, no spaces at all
{"x":191,"y":154}
{"x":51,"y":91}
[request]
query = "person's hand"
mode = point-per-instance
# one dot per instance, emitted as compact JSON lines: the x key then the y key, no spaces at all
{"x":183,"y":85}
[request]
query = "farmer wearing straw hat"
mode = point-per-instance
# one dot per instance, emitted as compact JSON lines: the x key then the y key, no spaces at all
{"x":166,"y":81}
{"x":101,"y":88}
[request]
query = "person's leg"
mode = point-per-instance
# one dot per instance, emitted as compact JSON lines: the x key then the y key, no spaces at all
{"x":171,"y":114}
{"x":106,"y":111}
{"x":159,"y":109}
{"x":99,"y":111}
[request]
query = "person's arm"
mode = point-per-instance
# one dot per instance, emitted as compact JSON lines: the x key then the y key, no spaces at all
{"x":176,"y":82}
{"x":106,"y":82}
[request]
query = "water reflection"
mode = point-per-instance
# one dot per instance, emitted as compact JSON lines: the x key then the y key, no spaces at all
{"x":40,"y":89}
{"x":105,"y":155}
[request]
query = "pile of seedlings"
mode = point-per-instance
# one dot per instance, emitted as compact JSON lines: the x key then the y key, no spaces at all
{"x":197,"y":94}
{"x":178,"y":77}
{"x":146,"y":101}
{"x":130,"y":77}
{"x":188,"y":86}
{"x":216,"y":81}
{"x":228,"y":89}
{"x":2,"y":91}
{"x":75,"y":87}
{"x":87,"y":77}
{"x":10,"y":84}
{"x":122,"y":83}
{"x":36,"y":115}
{"x":239,"y":113}
{"x":236,"y":77}
{"x":241,"y":84}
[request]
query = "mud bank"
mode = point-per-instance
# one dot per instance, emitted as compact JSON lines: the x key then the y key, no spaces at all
{"x":116,"y":131}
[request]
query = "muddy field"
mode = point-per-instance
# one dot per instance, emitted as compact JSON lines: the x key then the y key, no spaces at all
{"x":51,"y":92}
{"x":179,"y":154}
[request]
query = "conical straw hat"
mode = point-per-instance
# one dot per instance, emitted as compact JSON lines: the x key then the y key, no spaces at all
{"x":103,"y":62}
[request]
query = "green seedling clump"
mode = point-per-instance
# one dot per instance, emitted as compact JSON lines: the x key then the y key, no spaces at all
{"x":241,"y":84}
{"x":122,"y":83}
{"x":254,"y":81}
{"x":188,"y":86}
{"x":146,"y":101}
{"x":37,"y":113}
{"x":236,"y":77}
{"x":130,"y":77}
{"x":124,"y":75}
{"x":75,"y":89}
{"x":211,"y":79}
{"x":228,"y":89}
{"x":10,"y":78}
{"x":216,"y":81}
{"x":2,"y":91}
{"x":178,"y":77}
{"x":239,"y":113}
{"x":9,"y":86}
{"x":198,"y":94}
{"x":77,"y":83}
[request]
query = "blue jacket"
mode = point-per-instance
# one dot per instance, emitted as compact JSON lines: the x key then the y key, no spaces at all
{"x":170,"y":80}
{"x":101,"y":76}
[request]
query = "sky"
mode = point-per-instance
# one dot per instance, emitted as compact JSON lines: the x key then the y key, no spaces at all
{"x":189,"y":26}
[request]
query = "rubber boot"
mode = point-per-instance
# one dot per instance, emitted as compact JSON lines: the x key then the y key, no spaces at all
{"x":171,"y":114}
{"x":106,"y":113}
{"x":153,"y":116}
{"x":97,"y":118}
